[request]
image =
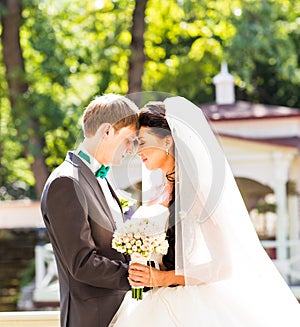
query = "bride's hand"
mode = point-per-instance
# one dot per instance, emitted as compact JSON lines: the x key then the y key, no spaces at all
{"x":140,"y":275}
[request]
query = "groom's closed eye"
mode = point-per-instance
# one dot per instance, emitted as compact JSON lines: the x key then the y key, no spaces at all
{"x":136,"y":143}
{"x":129,"y":140}
{"x":132,"y":142}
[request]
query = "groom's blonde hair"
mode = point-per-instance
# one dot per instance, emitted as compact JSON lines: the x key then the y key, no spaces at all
{"x":114,"y":109}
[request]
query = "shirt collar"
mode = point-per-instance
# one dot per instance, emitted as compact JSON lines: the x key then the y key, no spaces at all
{"x":92,"y":163}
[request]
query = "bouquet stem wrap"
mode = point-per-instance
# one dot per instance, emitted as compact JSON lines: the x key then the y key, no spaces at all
{"x":137,"y":292}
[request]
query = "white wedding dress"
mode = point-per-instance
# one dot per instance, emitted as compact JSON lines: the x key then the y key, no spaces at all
{"x":224,"y":303}
{"x":230,"y":280}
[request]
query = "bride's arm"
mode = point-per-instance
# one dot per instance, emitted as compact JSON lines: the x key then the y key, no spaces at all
{"x":218,"y":268}
{"x":140,"y":275}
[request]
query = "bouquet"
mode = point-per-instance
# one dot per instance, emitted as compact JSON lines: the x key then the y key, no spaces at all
{"x":139,"y":238}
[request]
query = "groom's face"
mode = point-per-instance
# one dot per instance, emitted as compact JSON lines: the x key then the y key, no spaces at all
{"x":119,"y":144}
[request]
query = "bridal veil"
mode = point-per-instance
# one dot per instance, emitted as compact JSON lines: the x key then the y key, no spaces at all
{"x":215,"y":238}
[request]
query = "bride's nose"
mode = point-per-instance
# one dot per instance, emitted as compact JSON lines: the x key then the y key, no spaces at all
{"x":139,"y":150}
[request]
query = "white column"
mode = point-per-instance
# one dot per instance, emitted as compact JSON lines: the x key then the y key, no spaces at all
{"x":281,"y":233}
{"x":281,"y":169}
{"x":293,"y":217}
{"x":294,"y":236}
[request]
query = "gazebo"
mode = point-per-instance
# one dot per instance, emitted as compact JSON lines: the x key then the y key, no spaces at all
{"x":262,"y":145}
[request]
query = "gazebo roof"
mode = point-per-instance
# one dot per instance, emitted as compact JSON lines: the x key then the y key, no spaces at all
{"x":241,"y":110}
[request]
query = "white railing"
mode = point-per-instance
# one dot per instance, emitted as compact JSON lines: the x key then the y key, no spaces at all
{"x":46,"y":275}
{"x":30,"y":319}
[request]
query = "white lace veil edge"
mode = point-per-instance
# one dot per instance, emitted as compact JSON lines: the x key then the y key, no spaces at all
{"x":215,"y":238}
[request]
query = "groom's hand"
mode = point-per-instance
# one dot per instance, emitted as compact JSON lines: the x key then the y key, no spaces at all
{"x":140,"y":275}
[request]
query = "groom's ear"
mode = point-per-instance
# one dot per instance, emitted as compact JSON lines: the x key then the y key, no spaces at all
{"x":104,"y":130}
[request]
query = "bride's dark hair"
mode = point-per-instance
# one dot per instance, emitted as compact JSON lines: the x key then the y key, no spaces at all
{"x":152,"y":115}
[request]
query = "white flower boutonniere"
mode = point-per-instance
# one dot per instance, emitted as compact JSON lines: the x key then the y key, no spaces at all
{"x":126,"y":204}
{"x":126,"y":200}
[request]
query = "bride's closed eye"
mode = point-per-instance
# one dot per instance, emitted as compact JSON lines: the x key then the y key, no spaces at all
{"x":141,"y":141}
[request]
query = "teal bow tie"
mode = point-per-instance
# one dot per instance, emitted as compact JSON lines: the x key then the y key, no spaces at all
{"x":101,"y":172}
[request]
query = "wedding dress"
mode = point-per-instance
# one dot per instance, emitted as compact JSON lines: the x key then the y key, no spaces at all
{"x":229,"y":279}
{"x":221,"y":304}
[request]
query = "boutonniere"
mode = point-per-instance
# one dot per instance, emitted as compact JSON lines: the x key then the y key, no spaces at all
{"x":124,"y":204}
{"x":126,"y":201}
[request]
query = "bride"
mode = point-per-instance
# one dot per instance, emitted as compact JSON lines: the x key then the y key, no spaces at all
{"x":216,"y":272}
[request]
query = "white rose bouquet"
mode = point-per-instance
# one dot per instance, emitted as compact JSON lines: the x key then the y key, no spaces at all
{"x":139,"y":238}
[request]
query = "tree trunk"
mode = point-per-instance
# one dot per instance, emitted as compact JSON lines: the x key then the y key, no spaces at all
{"x":1,"y":152}
{"x":17,"y":86}
{"x":137,"y":59}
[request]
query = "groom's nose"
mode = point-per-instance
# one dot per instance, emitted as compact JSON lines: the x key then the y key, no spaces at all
{"x":131,"y":147}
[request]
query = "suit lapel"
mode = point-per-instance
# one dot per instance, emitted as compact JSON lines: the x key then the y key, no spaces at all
{"x":87,"y":174}
{"x":115,"y":196}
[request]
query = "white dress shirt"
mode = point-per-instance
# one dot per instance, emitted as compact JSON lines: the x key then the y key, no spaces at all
{"x":94,"y":165}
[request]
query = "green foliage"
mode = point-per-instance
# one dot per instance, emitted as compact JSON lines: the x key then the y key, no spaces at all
{"x":184,"y":46}
{"x":74,"y":50}
{"x":268,"y":43}
{"x":16,"y":179}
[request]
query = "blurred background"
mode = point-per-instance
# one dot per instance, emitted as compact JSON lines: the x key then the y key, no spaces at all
{"x":239,"y":60}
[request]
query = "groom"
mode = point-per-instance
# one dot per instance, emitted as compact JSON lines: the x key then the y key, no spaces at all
{"x":80,"y":211}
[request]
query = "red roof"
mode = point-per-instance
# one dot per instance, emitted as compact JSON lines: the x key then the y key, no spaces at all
{"x":241,"y":110}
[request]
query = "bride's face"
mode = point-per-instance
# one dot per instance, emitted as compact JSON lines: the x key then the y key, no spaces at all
{"x":152,"y":149}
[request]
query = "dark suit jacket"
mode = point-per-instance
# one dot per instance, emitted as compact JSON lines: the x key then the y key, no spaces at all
{"x":92,"y":275}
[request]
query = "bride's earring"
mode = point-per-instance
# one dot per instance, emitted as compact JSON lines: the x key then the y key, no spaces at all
{"x":167,"y":151}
